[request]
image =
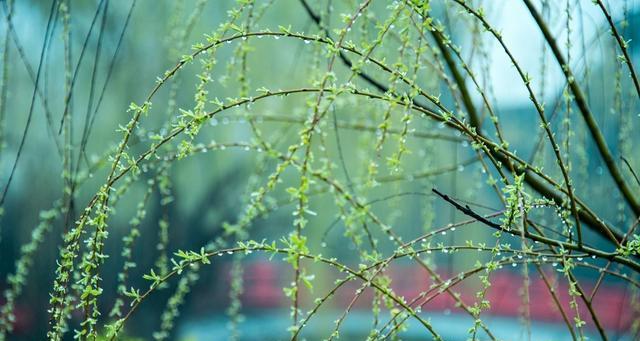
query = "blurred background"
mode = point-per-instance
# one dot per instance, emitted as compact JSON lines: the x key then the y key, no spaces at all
{"x":118,"y":49}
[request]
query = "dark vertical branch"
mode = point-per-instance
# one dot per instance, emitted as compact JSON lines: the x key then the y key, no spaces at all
{"x":581,"y":102}
{"x":25,"y":132}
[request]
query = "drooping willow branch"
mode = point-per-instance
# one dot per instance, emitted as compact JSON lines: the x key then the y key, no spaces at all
{"x":613,"y":256}
{"x":497,"y":153}
{"x":583,"y":214}
{"x":583,"y":106}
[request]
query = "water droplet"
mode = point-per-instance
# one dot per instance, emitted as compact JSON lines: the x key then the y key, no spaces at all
{"x":306,"y":41}
{"x":213,"y":122}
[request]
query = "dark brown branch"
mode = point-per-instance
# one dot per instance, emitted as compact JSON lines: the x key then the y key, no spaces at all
{"x":582,"y":105}
{"x":584,"y":213}
{"x":612,"y":256}
{"x":635,"y":176}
